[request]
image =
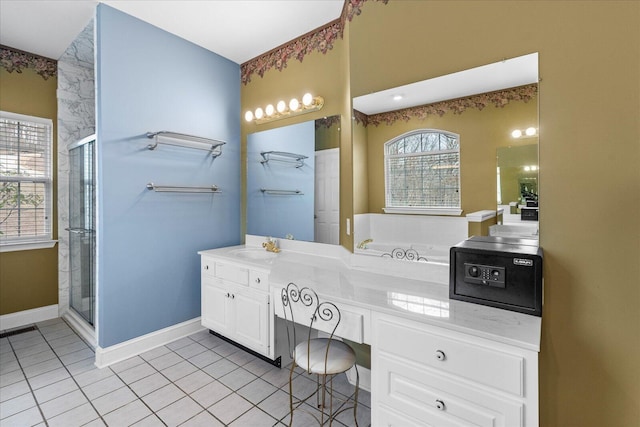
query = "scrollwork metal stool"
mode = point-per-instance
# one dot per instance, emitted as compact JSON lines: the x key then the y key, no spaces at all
{"x":323,"y":357}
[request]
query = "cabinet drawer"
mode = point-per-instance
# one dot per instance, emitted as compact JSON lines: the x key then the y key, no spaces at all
{"x":232,"y":273}
{"x":207,"y":267}
{"x":387,"y":417}
{"x":441,"y":400}
{"x":352,"y":323}
{"x":466,"y":360}
{"x":259,"y":280}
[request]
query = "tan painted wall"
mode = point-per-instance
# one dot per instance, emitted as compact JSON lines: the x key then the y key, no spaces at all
{"x":361,"y":170}
{"x":328,"y":137}
{"x":589,"y":178}
{"x":29,"y":279}
{"x":319,"y":74}
{"x":589,"y":156}
{"x":481,"y":133}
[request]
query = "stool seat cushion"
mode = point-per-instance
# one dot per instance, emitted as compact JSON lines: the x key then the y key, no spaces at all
{"x":341,"y":357}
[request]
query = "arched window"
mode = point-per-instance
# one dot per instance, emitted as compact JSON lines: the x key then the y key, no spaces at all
{"x":422,"y":173}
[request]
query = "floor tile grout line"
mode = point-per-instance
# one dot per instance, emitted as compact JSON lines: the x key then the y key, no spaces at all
{"x":200,"y":369}
{"x":253,"y":405}
{"x":192,"y":340}
{"x":64,"y":365}
{"x":28,"y":383}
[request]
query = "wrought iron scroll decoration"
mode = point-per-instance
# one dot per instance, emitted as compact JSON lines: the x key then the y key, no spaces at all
{"x":405,"y":254}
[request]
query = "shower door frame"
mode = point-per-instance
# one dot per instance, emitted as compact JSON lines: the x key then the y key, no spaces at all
{"x":81,"y":232}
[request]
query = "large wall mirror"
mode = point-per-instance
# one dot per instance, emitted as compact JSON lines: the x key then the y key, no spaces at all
{"x":484,"y":106}
{"x":517,"y":187}
{"x":293,"y":182}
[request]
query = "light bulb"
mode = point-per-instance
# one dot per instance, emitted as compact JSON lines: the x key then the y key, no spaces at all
{"x":281,"y":106}
{"x":269,"y":110}
{"x":294,"y":104}
{"x":516,"y":133}
{"x":259,"y":113}
{"x":530,"y":131}
{"x":307,"y":99}
{"x":527,"y":168}
{"x":248,"y":116}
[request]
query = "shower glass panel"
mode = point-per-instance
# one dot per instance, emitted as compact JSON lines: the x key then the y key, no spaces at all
{"x":82,"y":237}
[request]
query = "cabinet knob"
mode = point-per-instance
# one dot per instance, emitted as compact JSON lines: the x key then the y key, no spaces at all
{"x":257,"y":280}
{"x":206,"y":267}
{"x":228,"y":295}
{"x":440,"y":355}
{"x":440,"y":405}
{"x":232,"y":296}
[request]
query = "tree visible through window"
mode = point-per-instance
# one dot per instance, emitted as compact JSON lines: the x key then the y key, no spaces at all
{"x":422,"y":170}
{"x":25,"y":178}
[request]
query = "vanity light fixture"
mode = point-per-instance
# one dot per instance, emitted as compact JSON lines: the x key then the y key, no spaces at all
{"x":529,"y":132}
{"x":269,"y":110}
{"x":306,"y":104}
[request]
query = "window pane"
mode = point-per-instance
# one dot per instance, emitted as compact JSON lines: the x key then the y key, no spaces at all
{"x":25,"y":178}
{"x":430,"y":179}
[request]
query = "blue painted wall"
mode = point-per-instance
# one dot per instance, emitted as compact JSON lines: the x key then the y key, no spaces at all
{"x":277,"y":216}
{"x":150,"y":80}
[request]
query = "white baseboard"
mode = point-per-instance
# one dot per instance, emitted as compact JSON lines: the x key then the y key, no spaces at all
{"x":28,"y":317}
{"x":365,"y":377}
{"x":116,"y":353}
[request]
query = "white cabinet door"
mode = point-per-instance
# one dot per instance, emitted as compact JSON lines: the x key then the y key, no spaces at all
{"x":237,"y":312}
{"x":215,"y":307}
{"x":251,"y":319}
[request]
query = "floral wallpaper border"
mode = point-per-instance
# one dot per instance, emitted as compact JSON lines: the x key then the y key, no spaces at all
{"x":320,"y":40}
{"x":17,"y":60}
{"x":327,"y":122}
{"x":456,"y":106}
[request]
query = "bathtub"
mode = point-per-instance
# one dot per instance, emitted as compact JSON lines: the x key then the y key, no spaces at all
{"x":417,"y":252}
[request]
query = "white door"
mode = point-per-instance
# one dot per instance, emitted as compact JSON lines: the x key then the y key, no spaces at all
{"x":327,"y":200}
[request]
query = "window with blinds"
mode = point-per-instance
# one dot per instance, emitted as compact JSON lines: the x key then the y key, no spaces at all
{"x":422,"y":170}
{"x":25,"y":178}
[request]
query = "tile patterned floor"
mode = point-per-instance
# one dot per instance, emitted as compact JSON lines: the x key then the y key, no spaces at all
{"x":47,"y":378}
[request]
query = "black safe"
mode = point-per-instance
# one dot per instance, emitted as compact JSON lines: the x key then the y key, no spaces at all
{"x":499,"y":272}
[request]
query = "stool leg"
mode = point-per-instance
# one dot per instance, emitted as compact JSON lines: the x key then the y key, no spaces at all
{"x":355,"y":402}
{"x":293,"y":366}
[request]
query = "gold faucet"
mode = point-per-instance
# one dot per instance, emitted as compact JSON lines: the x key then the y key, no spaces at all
{"x":364,"y":243}
{"x":271,"y":246}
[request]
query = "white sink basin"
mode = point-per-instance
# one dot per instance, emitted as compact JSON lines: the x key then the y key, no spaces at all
{"x":253,"y":254}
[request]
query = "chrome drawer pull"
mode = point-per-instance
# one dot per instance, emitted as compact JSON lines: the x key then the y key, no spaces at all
{"x":440,"y":355}
{"x":440,"y":405}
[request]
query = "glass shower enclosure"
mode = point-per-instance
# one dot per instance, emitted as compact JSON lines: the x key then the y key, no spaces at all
{"x":82,"y":236}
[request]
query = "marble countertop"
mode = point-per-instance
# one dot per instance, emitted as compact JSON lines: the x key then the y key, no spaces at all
{"x":416,"y":291}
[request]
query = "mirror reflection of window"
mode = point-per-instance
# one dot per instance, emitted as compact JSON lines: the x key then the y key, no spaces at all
{"x":422,"y":171}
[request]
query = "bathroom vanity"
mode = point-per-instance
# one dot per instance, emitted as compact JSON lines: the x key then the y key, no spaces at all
{"x":434,"y":361}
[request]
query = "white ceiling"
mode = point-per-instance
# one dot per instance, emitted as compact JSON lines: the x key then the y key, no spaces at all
{"x":235,"y":29}
{"x":505,"y":74}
